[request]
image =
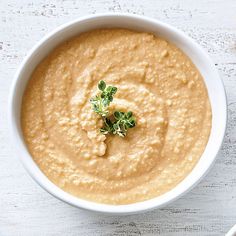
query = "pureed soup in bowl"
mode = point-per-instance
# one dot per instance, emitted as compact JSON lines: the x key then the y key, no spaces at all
{"x":154,"y":79}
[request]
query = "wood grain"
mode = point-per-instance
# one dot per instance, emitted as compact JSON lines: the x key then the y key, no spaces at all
{"x":209,"y":209}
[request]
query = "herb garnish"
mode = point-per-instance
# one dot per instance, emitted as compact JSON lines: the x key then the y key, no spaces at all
{"x":119,"y":122}
{"x":101,"y":102}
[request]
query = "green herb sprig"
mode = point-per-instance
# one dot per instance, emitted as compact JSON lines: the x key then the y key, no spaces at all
{"x":101,"y":102}
{"x":119,"y":122}
{"x":122,"y":122}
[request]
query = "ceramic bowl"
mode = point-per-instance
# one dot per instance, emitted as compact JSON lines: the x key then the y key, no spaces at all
{"x":192,"y":49}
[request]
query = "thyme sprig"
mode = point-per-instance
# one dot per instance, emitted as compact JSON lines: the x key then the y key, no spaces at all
{"x":119,"y":122}
{"x":101,"y":101}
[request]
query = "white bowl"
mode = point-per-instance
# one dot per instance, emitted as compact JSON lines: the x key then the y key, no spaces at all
{"x":232,"y":231}
{"x":193,"y":50}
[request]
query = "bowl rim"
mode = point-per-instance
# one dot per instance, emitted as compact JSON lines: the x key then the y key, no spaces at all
{"x":46,"y":184}
{"x":232,"y":231}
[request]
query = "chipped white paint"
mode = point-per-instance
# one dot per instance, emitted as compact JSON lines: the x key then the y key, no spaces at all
{"x":209,"y":209}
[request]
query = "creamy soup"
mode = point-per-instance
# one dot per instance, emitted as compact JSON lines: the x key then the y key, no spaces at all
{"x":155,"y":80}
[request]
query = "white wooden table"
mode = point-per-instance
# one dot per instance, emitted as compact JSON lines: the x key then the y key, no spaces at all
{"x":209,"y":209}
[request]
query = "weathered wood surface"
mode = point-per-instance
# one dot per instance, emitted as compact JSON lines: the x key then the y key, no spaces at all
{"x":209,"y":209}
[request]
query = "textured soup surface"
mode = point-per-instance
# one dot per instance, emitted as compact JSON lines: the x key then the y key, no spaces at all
{"x":155,"y":80}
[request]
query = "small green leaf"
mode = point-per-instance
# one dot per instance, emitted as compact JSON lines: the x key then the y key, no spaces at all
{"x":117,"y":115}
{"x":129,"y":114}
{"x":114,"y":90}
{"x":115,"y":126}
{"x":110,"y":98}
{"x":101,"y":85}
